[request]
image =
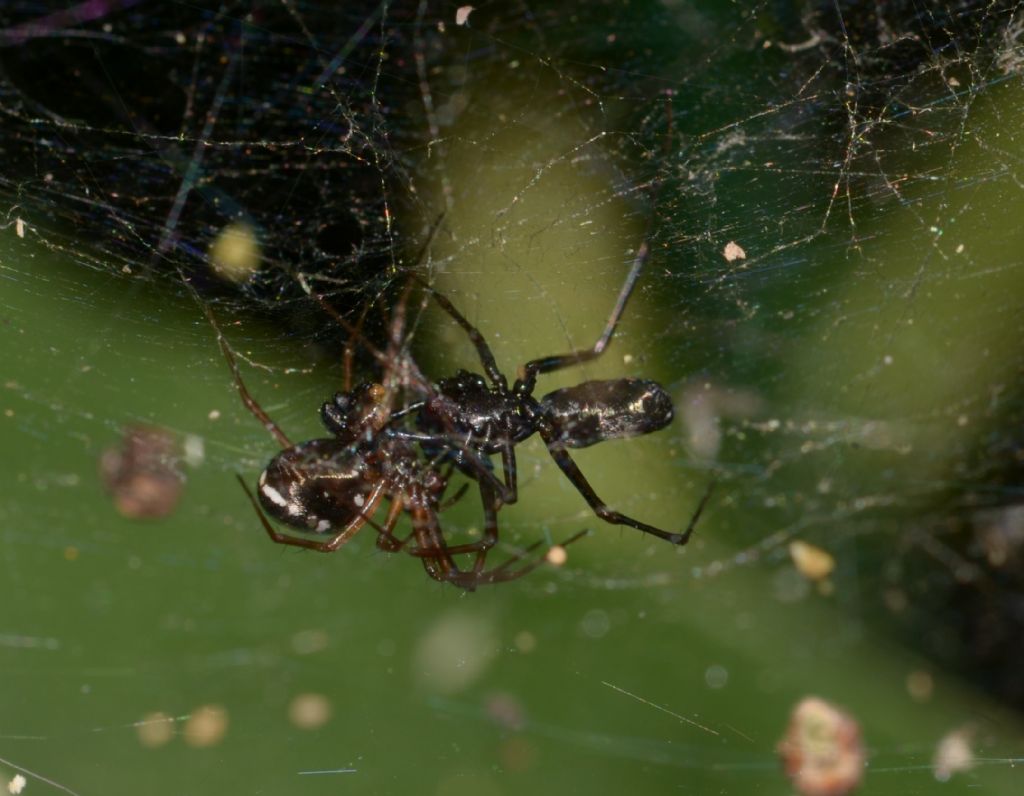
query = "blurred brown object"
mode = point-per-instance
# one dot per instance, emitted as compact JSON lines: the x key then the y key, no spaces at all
{"x":822,"y":750}
{"x":144,"y":473}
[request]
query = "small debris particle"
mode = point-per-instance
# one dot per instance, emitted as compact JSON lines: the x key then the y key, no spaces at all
{"x":953,"y":754}
{"x":733,"y":251}
{"x":454,"y":652}
{"x":307,"y":642}
{"x":506,"y":710}
{"x":557,"y":555}
{"x":716,"y":676}
{"x":309,"y":711}
{"x":1001,"y":535}
{"x":595,"y":624}
{"x":235,"y":253}
{"x":207,"y":726}
{"x":812,"y":562}
{"x":920,"y":685}
{"x":155,"y":730}
{"x":462,"y":14}
{"x":16,"y":785}
{"x":194,"y":450}
{"x":213,"y":415}
{"x":143,"y":474}
{"x":517,"y":753}
{"x":704,"y":405}
{"x":822,"y":751}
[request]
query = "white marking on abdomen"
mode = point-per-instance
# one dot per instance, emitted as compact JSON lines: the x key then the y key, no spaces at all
{"x":272,"y":495}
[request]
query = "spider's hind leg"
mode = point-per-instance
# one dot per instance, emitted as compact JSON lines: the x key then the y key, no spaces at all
{"x":573,"y":473}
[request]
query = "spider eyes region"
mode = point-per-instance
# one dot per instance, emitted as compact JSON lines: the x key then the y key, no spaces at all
{"x":360,"y":412}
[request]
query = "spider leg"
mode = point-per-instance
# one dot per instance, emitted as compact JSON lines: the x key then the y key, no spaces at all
{"x":408,"y":409}
{"x":437,"y":555}
{"x":409,"y":368}
{"x":250,"y":403}
{"x":525,"y":383}
{"x":349,"y":353}
{"x":502,"y":569}
{"x":508,"y":464}
{"x":430,"y":545}
{"x":453,"y":499}
{"x":489,"y":539}
{"x":390,"y":543}
{"x":476,"y":464}
{"x":386,"y":539}
{"x":410,"y":371}
{"x":502,"y":573}
{"x":482,"y":349}
{"x":573,"y":473}
{"x":328,"y":546}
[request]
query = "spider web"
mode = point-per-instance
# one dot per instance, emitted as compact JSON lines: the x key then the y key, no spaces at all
{"x":832,"y":298}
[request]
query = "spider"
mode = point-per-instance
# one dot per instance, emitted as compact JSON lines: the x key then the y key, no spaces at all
{"x":493,"y":419}
{"x":335,"y":485}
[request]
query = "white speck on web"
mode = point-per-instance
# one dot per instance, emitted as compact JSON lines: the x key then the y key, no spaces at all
{"x":733,"y":251}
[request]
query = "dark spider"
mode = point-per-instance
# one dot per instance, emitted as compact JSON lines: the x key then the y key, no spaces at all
{"x":335,"y":485}
{"x":489,"y":419}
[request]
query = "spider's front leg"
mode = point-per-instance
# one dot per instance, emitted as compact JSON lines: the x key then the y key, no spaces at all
{"x":527,"y":379}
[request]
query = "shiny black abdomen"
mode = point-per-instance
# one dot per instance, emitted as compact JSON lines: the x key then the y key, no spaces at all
{"x":595,"y":411}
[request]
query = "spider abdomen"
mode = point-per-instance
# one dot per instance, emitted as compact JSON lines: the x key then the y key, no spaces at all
{"x":594,"y":411}
{"x":318,"y":486}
